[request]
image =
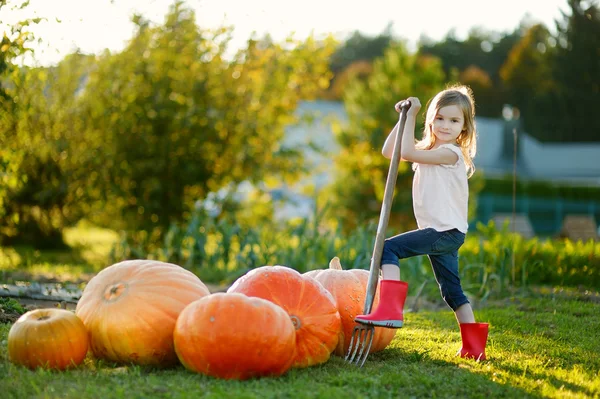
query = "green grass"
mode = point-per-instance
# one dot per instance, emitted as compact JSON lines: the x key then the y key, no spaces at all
{"x":539,"y":346}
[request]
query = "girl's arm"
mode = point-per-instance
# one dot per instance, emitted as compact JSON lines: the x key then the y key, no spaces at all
{"x":439,"y":156}
{"x":388,"y":146}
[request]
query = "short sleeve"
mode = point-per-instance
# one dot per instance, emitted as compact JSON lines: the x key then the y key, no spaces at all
{"x":457,"y":151}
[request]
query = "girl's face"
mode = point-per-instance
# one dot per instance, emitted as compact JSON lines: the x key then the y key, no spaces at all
{"x":448,"y":124}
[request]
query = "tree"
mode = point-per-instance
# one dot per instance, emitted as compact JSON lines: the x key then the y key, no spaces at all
{"x":360,"y":47}
{"x":482,"y":49}
{"x":16,"y":160}
{"x":170,"y":119}
{"x":558,"y":76}
{"x":576,"y":70}
{"x":527,"y":77}
{"x":354,"y":56}
{"x":44,"y":119}
{"x":13,"y":44}
{"x":488,"y":98}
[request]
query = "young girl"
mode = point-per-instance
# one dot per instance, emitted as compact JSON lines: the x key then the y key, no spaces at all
{"x":442,"y":161}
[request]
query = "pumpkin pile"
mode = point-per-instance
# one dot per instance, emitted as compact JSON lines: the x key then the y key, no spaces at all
{"x":154,"y":313}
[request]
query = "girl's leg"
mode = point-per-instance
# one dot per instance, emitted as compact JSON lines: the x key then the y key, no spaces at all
{"x":445,"y":270}
{"x":464,"y":314}
{"x":473,"y":335}
{"x":390,"y":272}
{"x":406,"y":245}
{"x":392,"y":291}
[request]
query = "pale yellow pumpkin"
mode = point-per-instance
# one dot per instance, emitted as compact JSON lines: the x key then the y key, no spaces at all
{"x":130,"y":310}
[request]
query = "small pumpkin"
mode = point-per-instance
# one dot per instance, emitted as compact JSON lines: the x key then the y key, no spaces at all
{"x":130,"y":310}
{"x":311,"y":308}
{"x":50,"y":338}
{"x":348,"y":288}
{"x":233,"y":336}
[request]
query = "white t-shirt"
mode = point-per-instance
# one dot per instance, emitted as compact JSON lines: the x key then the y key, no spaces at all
{"x":441,"y":194}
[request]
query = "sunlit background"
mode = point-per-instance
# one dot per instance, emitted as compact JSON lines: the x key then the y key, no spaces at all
{"x":94,"y":25}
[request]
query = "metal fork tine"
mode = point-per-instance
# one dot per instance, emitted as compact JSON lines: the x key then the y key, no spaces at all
{"x":360,"y":344}
{"x":367,"y":346}
{"x":354,"y":343}
{"x":352,"y":339}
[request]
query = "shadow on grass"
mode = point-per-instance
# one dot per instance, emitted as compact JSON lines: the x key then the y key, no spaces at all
{"x":422,"y":375}
{"x":538,"y":341}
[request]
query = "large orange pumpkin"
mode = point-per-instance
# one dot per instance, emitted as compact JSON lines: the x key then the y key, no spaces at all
{"x":310,"y":307}
{"x":234,"y":336}
{"x":349,"y":288}
{"x":52,"y":338}
{"x":130,"y":310}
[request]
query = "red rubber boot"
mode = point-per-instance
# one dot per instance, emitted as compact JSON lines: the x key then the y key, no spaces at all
{"x":474,"y":338}
{"x":391,"y":303}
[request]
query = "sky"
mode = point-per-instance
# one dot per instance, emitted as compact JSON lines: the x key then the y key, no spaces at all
{"x":94,"y":25}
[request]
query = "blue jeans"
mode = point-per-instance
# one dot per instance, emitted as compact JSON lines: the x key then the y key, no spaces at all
{"x":442,"y":249}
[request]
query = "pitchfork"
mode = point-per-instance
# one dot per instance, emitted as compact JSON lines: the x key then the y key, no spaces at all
{"x":362,"y":335}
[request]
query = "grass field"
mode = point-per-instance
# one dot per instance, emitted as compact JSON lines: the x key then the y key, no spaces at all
{"x":542,"y":345}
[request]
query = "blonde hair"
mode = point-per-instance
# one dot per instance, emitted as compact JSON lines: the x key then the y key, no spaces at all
{"x":461,"y":96}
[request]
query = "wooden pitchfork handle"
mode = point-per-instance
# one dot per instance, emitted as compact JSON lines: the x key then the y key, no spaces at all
{"x":384,"y":216}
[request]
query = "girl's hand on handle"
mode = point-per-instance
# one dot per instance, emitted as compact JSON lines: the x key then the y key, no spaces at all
{"x":415,"y":105}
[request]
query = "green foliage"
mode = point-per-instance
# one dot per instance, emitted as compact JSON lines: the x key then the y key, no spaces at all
{"x":485,"y":50}
{"x":496,"y":261}
{"x":220,"y":250}
{"x":132,"y":140}
{"x":493,"y":262}
{"x":171,"y":119}
{"x":577,"y":73}
{"x":41,"y":167}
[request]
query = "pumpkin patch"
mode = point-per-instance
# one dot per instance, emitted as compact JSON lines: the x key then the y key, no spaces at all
{"x":148,"y":312}
{"x":310,"y":307}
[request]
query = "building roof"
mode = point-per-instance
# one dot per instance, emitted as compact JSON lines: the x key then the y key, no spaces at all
{"x":566,"y":162}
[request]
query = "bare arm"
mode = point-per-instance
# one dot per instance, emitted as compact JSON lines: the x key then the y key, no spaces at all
{"x":388,"y":146}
